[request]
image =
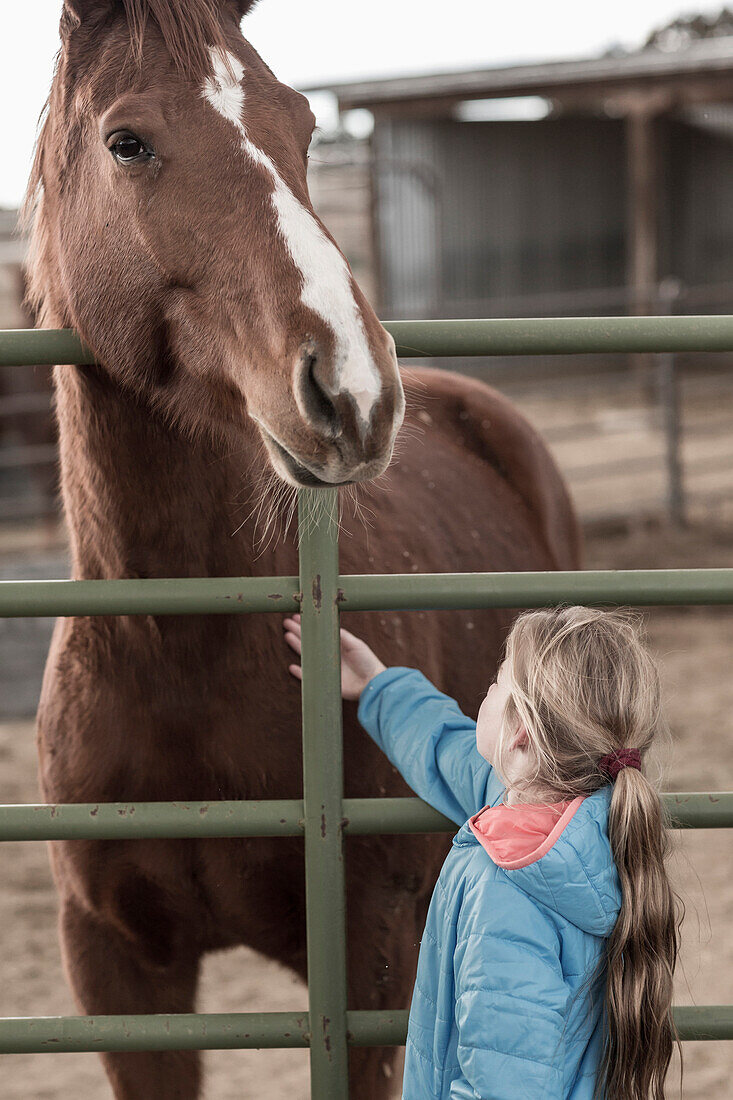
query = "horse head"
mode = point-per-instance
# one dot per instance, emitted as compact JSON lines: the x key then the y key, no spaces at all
{"x":174,"y":230}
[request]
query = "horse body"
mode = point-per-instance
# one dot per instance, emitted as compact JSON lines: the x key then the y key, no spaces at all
{"x":161,"y":447}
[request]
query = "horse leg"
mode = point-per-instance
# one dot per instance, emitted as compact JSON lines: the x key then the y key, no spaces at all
{"x":380,"y":917}
{"x":108,"y":978}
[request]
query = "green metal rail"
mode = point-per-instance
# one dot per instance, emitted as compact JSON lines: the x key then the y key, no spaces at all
{"x":324,"y":816}
{"x":361,"y":817}
{"x":493,"y":336}
{"x":375,"y":592}
{"x":255,"y":1030}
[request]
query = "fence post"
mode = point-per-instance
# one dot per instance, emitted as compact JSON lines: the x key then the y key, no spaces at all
{"x":669,"y":398}
{"x":323,"y":792}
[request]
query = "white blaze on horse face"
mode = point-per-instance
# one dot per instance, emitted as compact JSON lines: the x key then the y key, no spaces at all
{"x":326,"y":280}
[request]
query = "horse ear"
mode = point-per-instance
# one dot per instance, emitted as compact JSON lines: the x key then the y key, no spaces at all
{"x":83,"y":9}
{"x":76,"y":12}
{"x":244,"y":6}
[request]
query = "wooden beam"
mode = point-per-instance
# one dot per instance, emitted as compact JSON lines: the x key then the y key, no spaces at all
{"x":642,"y":239}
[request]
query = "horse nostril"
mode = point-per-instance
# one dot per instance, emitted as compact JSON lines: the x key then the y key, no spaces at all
{"x":316,"y":404}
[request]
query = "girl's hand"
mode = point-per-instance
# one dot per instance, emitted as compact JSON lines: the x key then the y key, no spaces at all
{"x":358,"y":663}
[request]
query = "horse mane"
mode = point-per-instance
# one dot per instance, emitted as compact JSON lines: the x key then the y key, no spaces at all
{"x":188,"y":28}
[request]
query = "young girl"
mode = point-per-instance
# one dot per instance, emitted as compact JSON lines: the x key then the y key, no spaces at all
{"x":545,"y":968}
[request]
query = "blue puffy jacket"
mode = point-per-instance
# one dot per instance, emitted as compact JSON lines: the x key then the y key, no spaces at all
{"x":504,"y":951}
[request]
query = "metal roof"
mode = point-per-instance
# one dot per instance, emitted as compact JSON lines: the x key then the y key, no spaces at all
{"x":708,"y":57}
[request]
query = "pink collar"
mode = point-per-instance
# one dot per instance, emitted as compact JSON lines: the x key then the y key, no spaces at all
{"x":515,"y":836}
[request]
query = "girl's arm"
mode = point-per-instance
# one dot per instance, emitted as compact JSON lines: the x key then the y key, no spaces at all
{"x":423,"y":732}
{"x":429,"y":740}
{"x":511,"y":998}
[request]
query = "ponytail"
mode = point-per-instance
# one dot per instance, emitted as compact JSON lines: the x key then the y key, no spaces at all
{"x":642,"y":949}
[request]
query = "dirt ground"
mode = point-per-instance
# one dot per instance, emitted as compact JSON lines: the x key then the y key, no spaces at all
{"x":694,"y":646}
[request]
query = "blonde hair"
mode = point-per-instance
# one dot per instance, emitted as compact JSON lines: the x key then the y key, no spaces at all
{"x":583,"y":683}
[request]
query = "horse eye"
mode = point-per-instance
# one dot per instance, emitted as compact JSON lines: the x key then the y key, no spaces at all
{"x":128,"y":149}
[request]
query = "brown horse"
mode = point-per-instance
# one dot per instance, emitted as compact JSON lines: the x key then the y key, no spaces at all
{"x":174,"y":230}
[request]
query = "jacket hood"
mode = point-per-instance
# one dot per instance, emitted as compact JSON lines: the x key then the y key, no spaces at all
{"x":560,"y":856}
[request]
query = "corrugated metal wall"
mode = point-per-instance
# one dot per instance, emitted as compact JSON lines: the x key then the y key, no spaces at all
{"x":474,"y":214}
{"x":409,"y":184}
{"x":501,"y":218}
{"x":699,"y":185}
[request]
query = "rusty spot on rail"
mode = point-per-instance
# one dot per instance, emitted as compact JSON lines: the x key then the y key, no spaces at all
{"x":204,"y":810}
{"x":323,"y":826}
{"x":275,"y":596}
{"x":317,"y":592}
{"x":94,"y":812}
{"x":713,"y":798}
{"x":326,"y":1037}
{"x":340,"y":596}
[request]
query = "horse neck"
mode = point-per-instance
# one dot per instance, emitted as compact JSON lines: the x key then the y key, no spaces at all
{"x":141,"y":499}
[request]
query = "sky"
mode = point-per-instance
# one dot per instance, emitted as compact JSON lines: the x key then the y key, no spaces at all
{"x":307,"y":42}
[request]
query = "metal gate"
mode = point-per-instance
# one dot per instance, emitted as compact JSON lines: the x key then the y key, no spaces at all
{"x":324,"y":816}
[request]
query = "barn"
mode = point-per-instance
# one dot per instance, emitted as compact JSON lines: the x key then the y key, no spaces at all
{"x":591,"y":186}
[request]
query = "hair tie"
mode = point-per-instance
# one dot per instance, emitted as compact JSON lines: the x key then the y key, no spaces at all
{"x":613,"y":762}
